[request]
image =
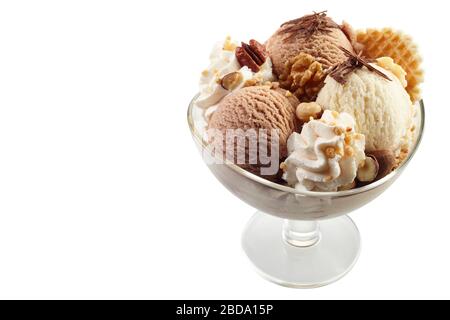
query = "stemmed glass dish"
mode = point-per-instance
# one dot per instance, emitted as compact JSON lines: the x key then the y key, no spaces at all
{"x":298,"y":239}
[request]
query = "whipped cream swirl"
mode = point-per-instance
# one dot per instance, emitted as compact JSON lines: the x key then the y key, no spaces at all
{"x":222,"y":62}
{"x":325,"y":155}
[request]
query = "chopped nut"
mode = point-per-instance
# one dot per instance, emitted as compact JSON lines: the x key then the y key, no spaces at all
{"x":273,"y":85}
{"x":306,"y":110}
{"x":267,"y":84}
{"x":251,"y":55}
{"x":304,"y":76}
{"x":229,"y":45}
{"x":368,"y":172}
{"x":348,"y":151}
{"x":400,"y":158}
{"x":330,"y":152}
{"x":348,"y":139}
{"x":231,"y":81}
{"x":388,"y":63}
{"x":259,"y":50}
{"x":251,"y":83}
{"x":340,"y":152}
{"x":338,"y":131}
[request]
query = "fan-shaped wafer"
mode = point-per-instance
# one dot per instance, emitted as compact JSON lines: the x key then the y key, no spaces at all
{"x":400,"y":47}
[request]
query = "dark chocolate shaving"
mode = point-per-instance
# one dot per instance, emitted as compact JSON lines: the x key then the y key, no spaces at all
{"x":341,"y":72}
{"x":307,"y":26}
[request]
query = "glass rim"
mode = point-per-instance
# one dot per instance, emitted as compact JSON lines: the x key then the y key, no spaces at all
{"x":273,"y":185}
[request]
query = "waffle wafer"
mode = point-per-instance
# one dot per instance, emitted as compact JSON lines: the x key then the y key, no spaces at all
{"x":400,"y":47}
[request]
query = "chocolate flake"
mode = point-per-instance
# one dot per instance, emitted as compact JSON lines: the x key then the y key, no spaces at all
{"x":341,"y":72}
{"x":306,"y":26}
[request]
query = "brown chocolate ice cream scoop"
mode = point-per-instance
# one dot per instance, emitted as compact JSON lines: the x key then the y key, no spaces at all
{"x":252,"y":110}
{"x":316,"y":35}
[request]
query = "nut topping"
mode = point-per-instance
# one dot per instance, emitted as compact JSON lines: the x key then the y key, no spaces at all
{"x":368,"y":172}
{"x":304,"y":76}
{"x":259,"y":50}
{"x":231,"y":81}
{"x":307,"y":110}
{"x":330,"y":152}
{"x":386,"y":161}
{"x":252,"y":55}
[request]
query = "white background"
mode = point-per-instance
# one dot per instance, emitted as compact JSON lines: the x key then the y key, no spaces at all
{"x":103,"y":193}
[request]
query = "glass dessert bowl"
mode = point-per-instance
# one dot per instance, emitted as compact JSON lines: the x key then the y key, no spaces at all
{"x":298,"y":239}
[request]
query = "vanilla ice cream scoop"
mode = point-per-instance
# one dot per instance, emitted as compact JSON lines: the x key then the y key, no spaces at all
{"x":381,"y":108}
{"x":325,"y":155}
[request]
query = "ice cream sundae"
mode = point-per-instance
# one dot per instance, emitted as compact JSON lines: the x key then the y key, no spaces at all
{"x":318,"y":106}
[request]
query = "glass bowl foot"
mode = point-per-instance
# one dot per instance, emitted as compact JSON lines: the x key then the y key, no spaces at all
{"x":301,"y":254}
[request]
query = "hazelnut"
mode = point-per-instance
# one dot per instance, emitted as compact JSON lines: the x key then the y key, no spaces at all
{"x":386,"y":162}
{"x":338,"y":131}
{"x":330,"y":152}
{"x":368,"y":172}
{"x":389,"y":64}
{"x":307,"y":110}
{"x":348,"y":139}
{"x":231,"y":81}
